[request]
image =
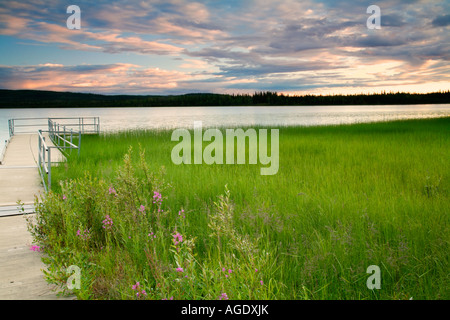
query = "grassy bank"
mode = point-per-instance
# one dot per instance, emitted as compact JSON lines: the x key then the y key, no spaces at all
{"x":344,"y":198}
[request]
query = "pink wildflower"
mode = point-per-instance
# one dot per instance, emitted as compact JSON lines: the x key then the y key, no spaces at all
{"x":107,"y":223}
{"x":35,"y":248}
{"x":139,"y":291}
{"x":223,"y":296}
{"x":85,"y":235}
{"x":157,"y":198}
{"x":179,"y":269}
{"x":177,"y":238}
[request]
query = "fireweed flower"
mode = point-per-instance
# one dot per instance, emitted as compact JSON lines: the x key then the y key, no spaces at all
{"x":179,"y":269}
{"x":177,"y":238}
{"x":64,"y":197}
{"x":139,"y":292}
{"x":35,"y":248}
{"x":152,"y":236}
{"x":223,"y":296}
{"x":224,"y":270}
{"x":85,"y":235}
{"x":142,"y":209}
{"x":107,"y":223}
{"x":112,"y":191}
{"x":157,"y":198}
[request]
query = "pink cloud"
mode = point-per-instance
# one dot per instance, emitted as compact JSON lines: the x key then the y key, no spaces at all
{"x":94,"y":78}
{"x":111,"y":42}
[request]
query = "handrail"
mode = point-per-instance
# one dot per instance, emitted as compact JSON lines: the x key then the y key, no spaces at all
{"x":82,"y":124}
{"x":3,"y":152}
{"x":61,"y":134}
{"x":42,"y":165}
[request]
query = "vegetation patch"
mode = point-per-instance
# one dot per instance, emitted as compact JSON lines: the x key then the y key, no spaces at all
{"x":344,"y":198}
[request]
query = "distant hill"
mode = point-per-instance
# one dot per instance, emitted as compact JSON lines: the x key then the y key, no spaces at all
{"x":52,"y":99}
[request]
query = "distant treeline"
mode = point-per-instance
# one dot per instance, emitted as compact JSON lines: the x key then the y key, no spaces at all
{"x":51,"y":99}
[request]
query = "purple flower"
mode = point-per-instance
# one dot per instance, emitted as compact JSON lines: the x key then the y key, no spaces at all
{"x":85,"y":235}
{"x":107,"y":223}
{"x":157,"y":198}
{"x":139,"y":291}
{"x":112,"y":191}
{"x":177,"y":238}
{"x":223,"y":296}
{"x":35,"y":248}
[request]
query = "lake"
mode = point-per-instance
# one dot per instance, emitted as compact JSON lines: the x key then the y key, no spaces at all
{"x":115,"y":119}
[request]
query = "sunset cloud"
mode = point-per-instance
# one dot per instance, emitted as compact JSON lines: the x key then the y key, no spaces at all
{"x":90,"y":78}
{"x":177,"y":46}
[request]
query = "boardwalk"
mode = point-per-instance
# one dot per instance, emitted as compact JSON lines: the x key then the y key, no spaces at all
{"x":21,"y":274}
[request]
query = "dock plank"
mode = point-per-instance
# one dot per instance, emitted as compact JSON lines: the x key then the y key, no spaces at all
{"x":21,"y":276}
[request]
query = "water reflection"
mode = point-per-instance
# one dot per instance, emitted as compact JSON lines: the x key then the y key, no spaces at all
{"x":114,"y":119}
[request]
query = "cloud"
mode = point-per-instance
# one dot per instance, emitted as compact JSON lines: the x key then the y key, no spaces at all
{"x":224,"y":45}
{"x":441,"y":21}
{"x":92,"y":78}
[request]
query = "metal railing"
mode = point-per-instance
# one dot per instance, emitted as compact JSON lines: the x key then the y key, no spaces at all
{"x":77,"y":124}
{"x":25,"y":125}
{"x":3,"y":151}
{"x":65,"y":136}
{"x":45,"y":162}
{"x":64,"y":139}
{"x":80,"y":124}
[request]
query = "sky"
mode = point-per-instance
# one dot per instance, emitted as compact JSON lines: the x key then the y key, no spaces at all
{"x":225,"y":46}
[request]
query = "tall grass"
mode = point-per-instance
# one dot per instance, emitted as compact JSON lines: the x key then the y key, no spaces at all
{"x":344,"y":198}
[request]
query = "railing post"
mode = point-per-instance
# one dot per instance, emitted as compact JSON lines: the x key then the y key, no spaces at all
{"x":79,"y":142}
{"x":11,"y":127}
{"x":64,"y":129}
{"x":43,"y":153}
{"x":40,"y":148}
{"x":49,"y":166}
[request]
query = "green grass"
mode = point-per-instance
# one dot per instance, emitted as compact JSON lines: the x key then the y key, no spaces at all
{"x":344,"y":198}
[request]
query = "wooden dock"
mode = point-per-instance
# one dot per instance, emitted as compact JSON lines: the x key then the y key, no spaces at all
{"x":21,"y":276}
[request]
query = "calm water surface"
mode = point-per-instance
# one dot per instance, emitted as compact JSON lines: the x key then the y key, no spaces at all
{"x":116,"y":119}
